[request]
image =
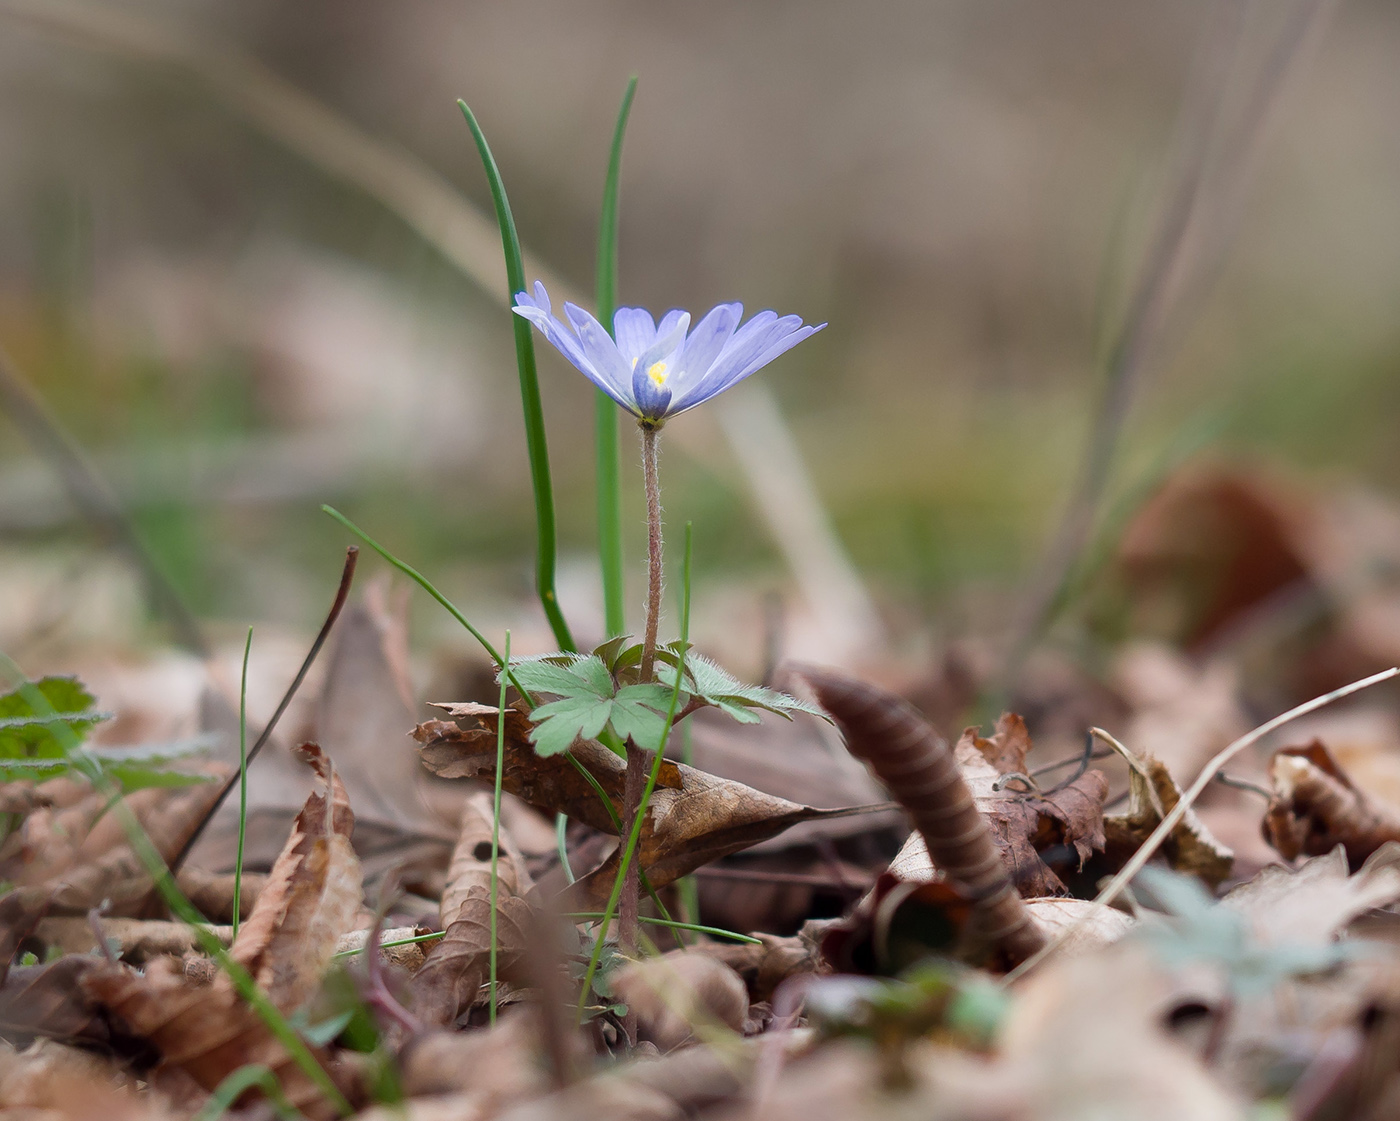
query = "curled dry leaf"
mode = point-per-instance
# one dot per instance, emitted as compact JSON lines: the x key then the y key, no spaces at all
{"x":693,"y":817}
{"x":1315,"y":807}
{"x":212,"y":892}
{"x":471,"y":859}
{"x":1153,"y":793}
{"x":408,"y":957}
{"x":917,"y":766}
{"x":680,"y":995}
{"x":1028,"y":823}
{"x":311,"y":895}
{"x":454,"y":970}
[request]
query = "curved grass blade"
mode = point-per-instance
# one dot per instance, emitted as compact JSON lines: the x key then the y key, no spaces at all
{"x":546,"y":545}
{"x":496,"y":829}
{"x":240,"y":1081}
{"x":608,"y":471}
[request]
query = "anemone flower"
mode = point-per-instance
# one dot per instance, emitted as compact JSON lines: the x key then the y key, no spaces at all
{"x":657,"y":370}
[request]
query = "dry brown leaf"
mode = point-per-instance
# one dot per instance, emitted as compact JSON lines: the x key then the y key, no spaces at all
{"x":408,"y":957}
{"x":1025,"y":824}
{"x":471,"y":859}
{"x":20,"y":911}
{"x":206,"y":1030}
{"x":212,"y":892}
{"x":693,"y":818}
{"x":1152,"y":793}
{"x":458,"y":964}
{"x":1316,"y":807}
{"x":767,"y":965}
{"x":49,"y":1001}
{"x":106,"y":869}
{"x":70,"y":1084}
{"x":47,"y":841}
{"x":312,"y":895}
{"x":497,"y":1066}
{"x":679,"y":994}
{"x":137,"y":940}
{"x":1311,"y":904}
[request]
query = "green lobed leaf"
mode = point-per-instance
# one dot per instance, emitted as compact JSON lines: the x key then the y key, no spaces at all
{"x":718,"y":687}
{"x":25,"y":733}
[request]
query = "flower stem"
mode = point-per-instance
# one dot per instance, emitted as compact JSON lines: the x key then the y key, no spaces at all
{"x":653,"y":489}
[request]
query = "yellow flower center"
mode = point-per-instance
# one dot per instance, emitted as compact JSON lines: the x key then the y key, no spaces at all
{"x":657,"y":373}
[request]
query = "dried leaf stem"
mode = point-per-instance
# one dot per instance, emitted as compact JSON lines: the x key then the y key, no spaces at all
{"x":1173,"y":818}
{"x":920,"y":770}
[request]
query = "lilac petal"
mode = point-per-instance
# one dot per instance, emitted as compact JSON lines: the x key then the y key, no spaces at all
{"x":542,"y":297}
{"x":780,"y":346}
{"x":634,"y":331}
{"x":746,"y":345}
{"x":599,"y":345}
{"x":567,"y":345}
{"x":727,"y":372}
{"x":710,"y":336}
{"x":670,"y":333}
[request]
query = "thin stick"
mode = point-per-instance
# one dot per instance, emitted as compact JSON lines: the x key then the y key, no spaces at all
{"x":342,"y":593}
{"x":242,"y":783}
{"x":1164,"y":829}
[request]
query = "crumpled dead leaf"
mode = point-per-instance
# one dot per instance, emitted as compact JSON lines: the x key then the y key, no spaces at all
{"x":693,"y":817}
{"x":1152,"y":794}
{"x":52,"y":1080}
{"x":471,"y":859}
{"x":1026,"y":824}
{"x":286,"y":944}
{"x":454,"y":970}
{"x":1315,"y":807}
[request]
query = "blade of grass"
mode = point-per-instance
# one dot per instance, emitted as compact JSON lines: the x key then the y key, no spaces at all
{"x":496,"y":828}
{"x":239,"y":1082}
{"x":671,"y":924}
{"x":632,"y":838}
{"x":546,"y":546}
{"x":271,"y":1016}
{"x":242,"y":783}
{"x":608,"y":473}
{"x":561,"y":825}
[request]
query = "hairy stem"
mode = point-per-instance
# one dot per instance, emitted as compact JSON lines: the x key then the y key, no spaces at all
{"x":653,"y":489}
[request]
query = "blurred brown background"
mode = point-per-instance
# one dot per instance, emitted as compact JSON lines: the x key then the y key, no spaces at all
{"x":967,"y":192}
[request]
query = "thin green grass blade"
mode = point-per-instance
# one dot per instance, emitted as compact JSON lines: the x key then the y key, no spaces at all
{"x":635,"y":835}
{"x":608,"y":472}
{"x":696,"y":928}
{"x":496,"y":827}
{"x":175,"y":899}
{"x":561,"y":843}
{"x":237,"y":1084}
{"x":545,"y":546}
{"x":242,"y":783}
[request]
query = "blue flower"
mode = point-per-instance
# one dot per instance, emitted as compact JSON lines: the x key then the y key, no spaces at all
{"x":656,"y":370}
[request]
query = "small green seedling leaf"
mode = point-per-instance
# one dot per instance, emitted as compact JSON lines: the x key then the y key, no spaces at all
{"x":721,"y":689}
{"x":25,"y":733}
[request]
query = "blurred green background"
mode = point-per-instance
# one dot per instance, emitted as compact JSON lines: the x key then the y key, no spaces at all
{"x":966,"y":191}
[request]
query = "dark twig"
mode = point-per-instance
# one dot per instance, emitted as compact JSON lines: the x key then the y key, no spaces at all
{"x":93,"y":497}
{"x":347,"y":575}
